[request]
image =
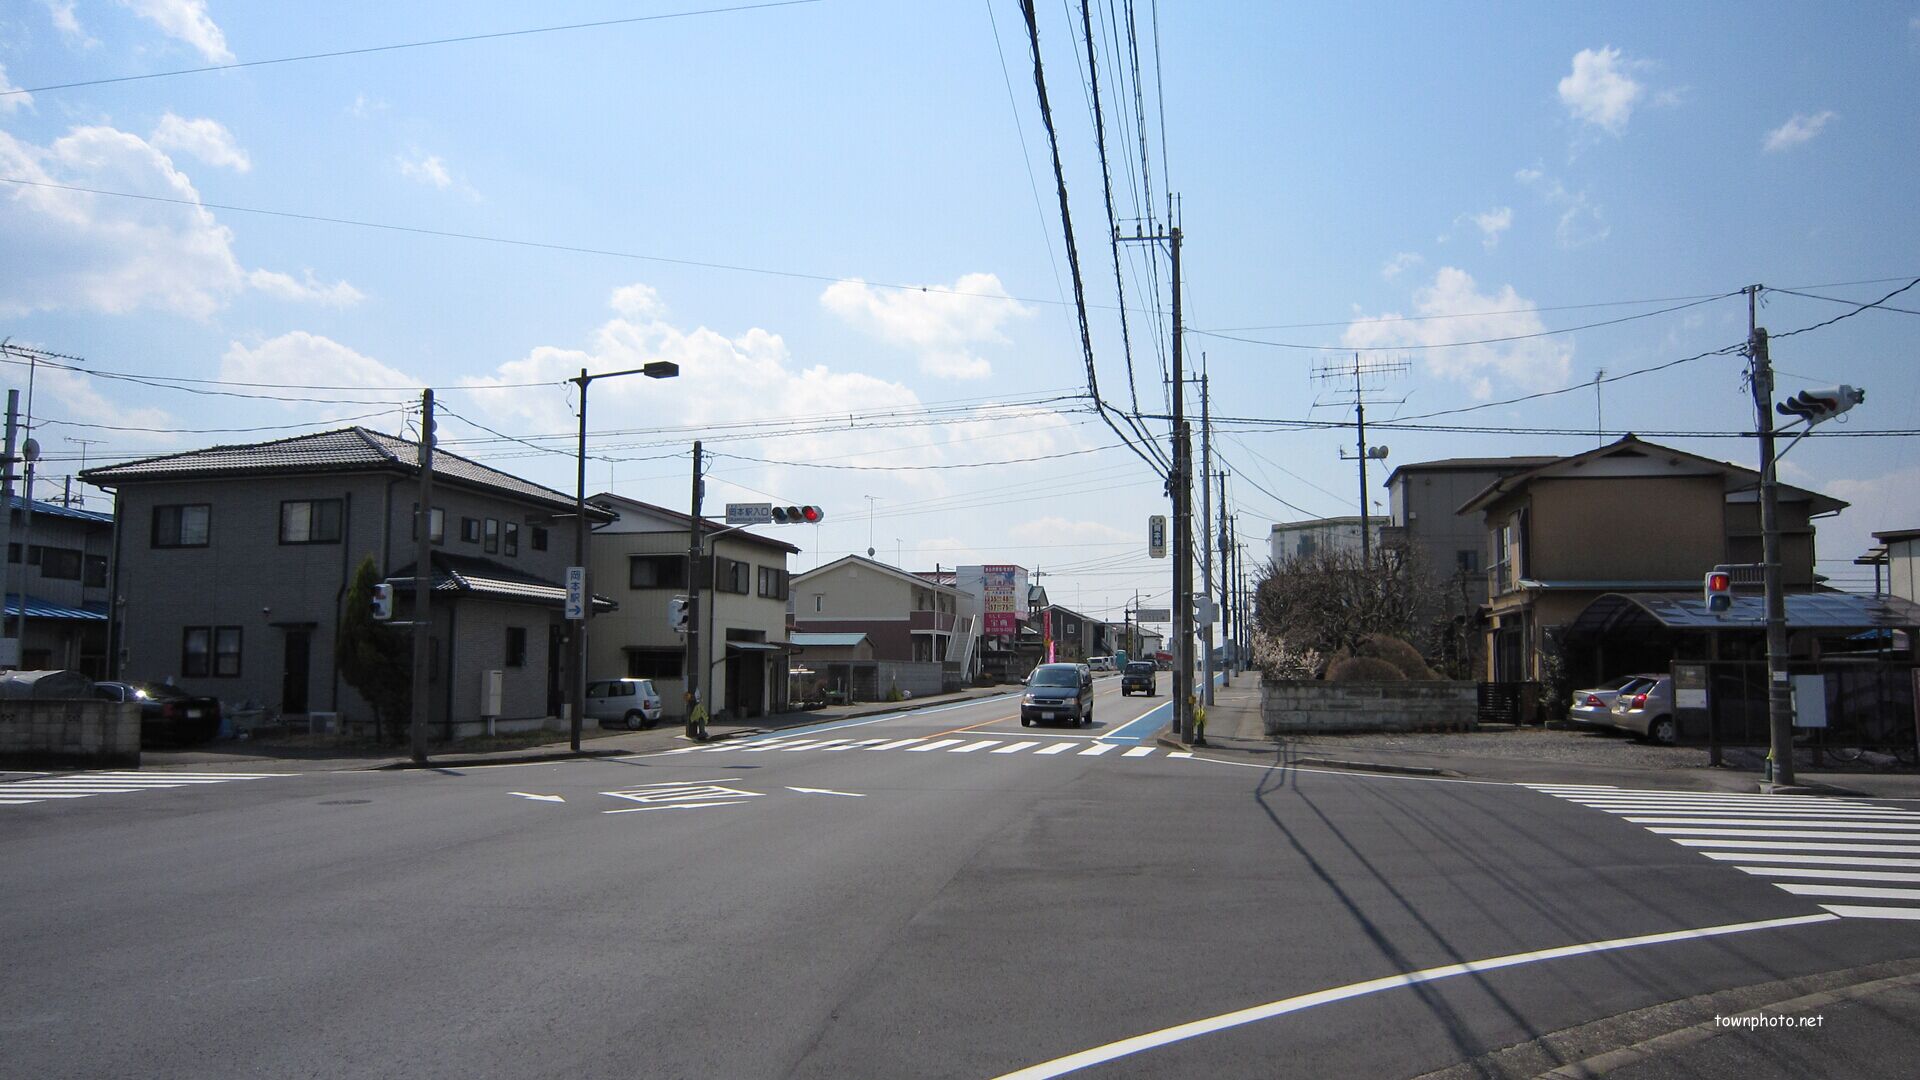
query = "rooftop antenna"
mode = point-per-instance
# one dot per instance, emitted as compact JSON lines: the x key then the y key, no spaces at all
{"x":1369,"y":377}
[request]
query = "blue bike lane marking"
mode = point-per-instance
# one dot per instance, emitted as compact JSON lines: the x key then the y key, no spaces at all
{"x":1141,"y":729}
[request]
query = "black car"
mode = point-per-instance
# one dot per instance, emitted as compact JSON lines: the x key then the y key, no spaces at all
{"x":1058,"y":692}
{"x":1140,"y":675}
{"x":168,"y":714}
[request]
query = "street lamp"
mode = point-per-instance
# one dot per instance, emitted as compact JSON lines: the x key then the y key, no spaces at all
{"x":658,"y":369}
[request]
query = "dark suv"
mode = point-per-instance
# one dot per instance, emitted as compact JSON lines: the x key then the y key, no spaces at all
{"x":1058,"y":692}
{"x":1140,"y":675}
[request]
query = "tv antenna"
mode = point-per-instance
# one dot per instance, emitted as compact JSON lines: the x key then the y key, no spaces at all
{"x":1368,"y":377}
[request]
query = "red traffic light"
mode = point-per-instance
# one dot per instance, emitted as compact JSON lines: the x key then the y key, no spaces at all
{"x":1719,"y":590}
{"x":798,"y":515}
{"x":1719,"y":582}
{"x":812,"y":514}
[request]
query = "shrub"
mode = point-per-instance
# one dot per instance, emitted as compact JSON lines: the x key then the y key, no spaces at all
{"x":1403,"y":656}
{"x":1363,"y":669}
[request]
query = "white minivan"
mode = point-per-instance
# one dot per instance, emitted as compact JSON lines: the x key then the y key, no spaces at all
{"x":1100,"y":663}
{"x":631,"y":703}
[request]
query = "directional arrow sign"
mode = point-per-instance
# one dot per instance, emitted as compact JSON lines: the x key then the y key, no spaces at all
{"x":539,"y":798}
{"x":824,"y":791}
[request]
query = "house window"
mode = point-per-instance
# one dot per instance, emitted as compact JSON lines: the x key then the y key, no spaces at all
{"x":730,"y":575}
{"x":183,"y":525}
{"x":470,"y":530}
{"x":516,"y":646}
{"x":13,"y":553}
{"x":656,"y":572}
{"x":94,"y":574}
{"x":210,"y":650}
{"x":60,"y":564}
{"x":1468,"y":560}
{"x":510,"y":543}
{"x":492,"y":546}
{"x":196,"y":651}
{"x":773,"y":583}
{"x":818,"y":598}
{"x":310,"y":521}
{"x":538,"y":539}
{"x":436,"y":525}
{"x":655,"y":663}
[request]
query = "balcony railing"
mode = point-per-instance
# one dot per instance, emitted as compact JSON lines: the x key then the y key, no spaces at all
{"x":941,"y":621}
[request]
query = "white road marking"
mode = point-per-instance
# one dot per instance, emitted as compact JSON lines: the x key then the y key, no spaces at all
{"x":1816,"y":860}
{"x":674,"y":806}
{"x":1778,"y":815}
{"x":854,"y":744}
{"x":940,"y":744}
{"x":1014,"y":748}
{"x":1854,"y":911}
{"x":1138,"y":751}
{"x":1097,"y":749}
{"x":758,"y":747}
{"x":1796,"y":823}
{"x":898,"y":743}
{"x":1885,"y":849}
{"x":1786,"y":834}
{"x":1857,"y":892}
{"x":1837,"y":875}
{"x":541,"y":798}
{"x":1181,"y":753}
{"x":825,"y":791}
{"x":1165,"y":1036}
{"x":1056,"y":748}
{"x":971,"y":747}
{"x":829,"y":744}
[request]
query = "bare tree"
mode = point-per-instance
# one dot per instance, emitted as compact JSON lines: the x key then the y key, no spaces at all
{"x":1328,"y":602}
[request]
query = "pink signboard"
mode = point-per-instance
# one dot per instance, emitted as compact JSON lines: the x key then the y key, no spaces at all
{"x":1001,"y":614}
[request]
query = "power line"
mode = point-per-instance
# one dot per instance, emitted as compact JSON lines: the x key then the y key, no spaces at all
{"x":1840,"y":300}
{"x":921,"y":468}
{"x":1026,"y":158}
{"x":1462,"y":344}
{"x":1850,"y":314}
{"x":403,"y":45}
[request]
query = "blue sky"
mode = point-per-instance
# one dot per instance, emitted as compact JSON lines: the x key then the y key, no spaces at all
{"x":1401,"y":177}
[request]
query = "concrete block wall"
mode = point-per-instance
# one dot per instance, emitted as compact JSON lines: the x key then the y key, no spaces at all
{"x":73,"y":733}
{"x":1291,"y":708}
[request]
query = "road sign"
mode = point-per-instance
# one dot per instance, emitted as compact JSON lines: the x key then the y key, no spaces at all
{"x":1157,"y":536}
{"x":749,"y":513}
{"x":1204,"y":611}
{"x":576,"y":592}
{"x":1153,"y":614}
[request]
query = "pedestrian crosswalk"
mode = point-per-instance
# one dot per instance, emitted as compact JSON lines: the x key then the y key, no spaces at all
{"x":926,"y":745}
{"x":87,"y":784}
{"x":1855,"y":859}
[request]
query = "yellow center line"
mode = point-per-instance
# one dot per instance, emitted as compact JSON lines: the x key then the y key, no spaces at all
{"x":971,"y":727}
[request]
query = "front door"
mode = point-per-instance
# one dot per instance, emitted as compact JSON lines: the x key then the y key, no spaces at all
{"x":293,"y":680}
{"x":556,"y":689}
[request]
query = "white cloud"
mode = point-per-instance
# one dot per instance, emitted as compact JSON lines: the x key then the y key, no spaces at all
{"x":1799,"y":128}
{"x":1055,"y":530}
{"x":429,"y":170}
{"x":1532,"y":363}
{"x":1599,"y":91}
{"x":1581,"y":221}
{"x":11,"y":101}
{"x":78,"y":398}
{"x":941,"y":323}
{"x":1529,"y":175}
{"x":300,"y":358}
{"x":637,"y":301}
{"x":364,"y":106}
{"x":1400,"y":263}
{"x":204,"y":138}
{"x":186,"y":21}
{"x":309,"y":289}
{"x":1491,"y":224}
{"x":98,"y":253}
{"x":61,"y":12}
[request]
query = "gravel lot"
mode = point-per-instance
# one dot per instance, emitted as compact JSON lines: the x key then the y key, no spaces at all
{"x":1517,"y":743}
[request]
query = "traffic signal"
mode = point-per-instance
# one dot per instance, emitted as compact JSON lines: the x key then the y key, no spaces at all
{"x":677,"y":614}
{"x":1719,"y":591}
{"x":798,"y":515}
{"x":383,"y":602}
{"x":1824,"y":404}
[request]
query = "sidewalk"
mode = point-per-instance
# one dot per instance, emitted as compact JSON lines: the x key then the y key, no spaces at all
{"x":594,"y":742}
{"x":1517,"y":755}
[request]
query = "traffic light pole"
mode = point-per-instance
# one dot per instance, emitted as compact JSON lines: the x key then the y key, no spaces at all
{"x":1779,"y":680}
{"x":423,"y":583}
{"x":691,"y":663}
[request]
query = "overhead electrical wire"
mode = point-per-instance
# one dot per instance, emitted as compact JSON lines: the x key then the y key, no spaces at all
{"x":920,"y":468}
{"x":1462,"y":344}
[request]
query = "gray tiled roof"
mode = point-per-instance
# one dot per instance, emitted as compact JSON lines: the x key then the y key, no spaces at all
{"x":57,"y":510}
{"x":350,"y":449}
{"x":474,"y":576}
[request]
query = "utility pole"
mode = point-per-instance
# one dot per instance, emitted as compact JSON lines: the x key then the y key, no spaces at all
{"x":12,"y":660}
{"x":1227,"y":621}
{"x":1360,"y":424}
{"x":423,"y":582}
{"x":1358,"y":372}
{"x":693,"y":657}
{"x":1206,"y":519}
{"x":1779,"y":681}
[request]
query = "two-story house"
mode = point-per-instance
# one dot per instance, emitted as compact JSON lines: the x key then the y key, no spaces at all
{"x":906,"y":616}
{"x":1631,"y":516}
{"x":1296,"y":539}
{"x":1423,"y":497}
{"x":58,"y":562}
{"x":640,"y":558}
{"x":233,"y":565}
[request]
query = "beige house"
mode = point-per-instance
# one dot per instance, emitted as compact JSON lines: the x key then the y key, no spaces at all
{"x":904,"y":615}
{"x":640,"y":560}
{"x":1631,"y":516}
{"x":1899,"y":552}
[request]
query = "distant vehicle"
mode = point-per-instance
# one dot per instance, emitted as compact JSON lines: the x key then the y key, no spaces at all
{"x":168,"y":714}
{"x":1058,"y":692}
{"x":1163,"y":660}
{"x":1100,"y":663}
{"x":1140,"y":675}
{"x":1595,"y":705}
{"x":1645,"y":706}
{"x":629,"y":702}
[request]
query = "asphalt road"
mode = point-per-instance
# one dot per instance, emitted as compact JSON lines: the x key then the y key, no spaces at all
{"x":846,"y":902}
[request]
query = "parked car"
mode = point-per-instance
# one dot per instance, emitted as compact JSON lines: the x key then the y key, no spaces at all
{"x":1645,"y":706}
{"x":1100,"y":663}
{"x":631,"y":703}
{"x":1058,"y":692}
{"x":1595,"y":706}
{"x":1140,"y":675}
{"x":168,"y":714}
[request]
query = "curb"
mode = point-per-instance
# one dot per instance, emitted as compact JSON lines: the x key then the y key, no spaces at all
{"x":1369,"y":766}
{"x":511,"y":759}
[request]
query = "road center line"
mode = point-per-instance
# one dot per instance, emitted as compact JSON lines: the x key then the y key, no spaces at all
{"x":1154,"y":1039}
